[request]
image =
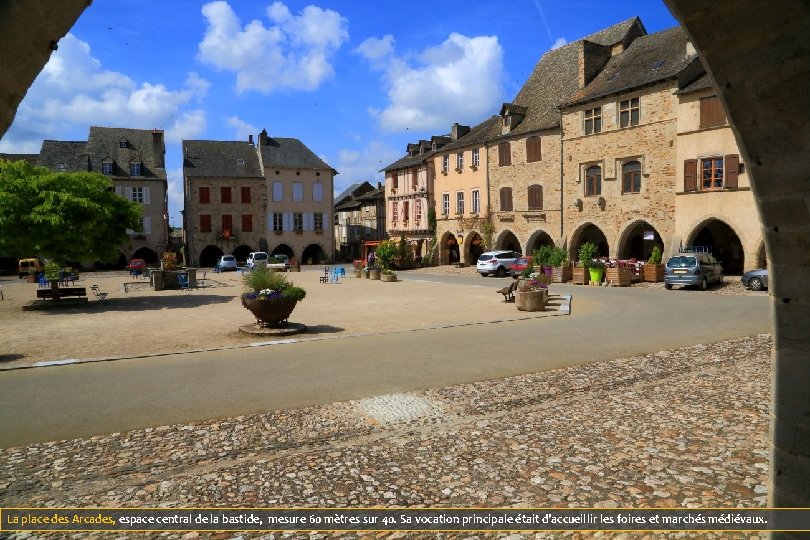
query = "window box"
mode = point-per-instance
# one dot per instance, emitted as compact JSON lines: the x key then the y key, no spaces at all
{"x":278,"y":232}
{"x":458,"y":169}
{"x":318,"y":232}
{"x":474,"y":167}
{"x":299,"y":232}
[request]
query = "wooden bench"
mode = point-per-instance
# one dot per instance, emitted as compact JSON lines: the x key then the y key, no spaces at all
{"x":77,"y":292}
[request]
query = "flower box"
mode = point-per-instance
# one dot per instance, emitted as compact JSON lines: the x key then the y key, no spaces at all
{"x":619,"y":276}
{"x":652,"y":272}
{"x":270,"y":312}
{"x":579,"y":275}
{"x":561,"y":274}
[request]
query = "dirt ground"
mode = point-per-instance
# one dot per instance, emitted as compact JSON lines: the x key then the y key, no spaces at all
{"x":137,"y":321}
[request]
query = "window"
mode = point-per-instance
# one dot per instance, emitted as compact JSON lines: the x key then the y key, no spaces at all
{"x":631,"y":177}
{"x":317,"y":191}
{"x":394,"y":180}
{"x":535,"y":197}
{"x":445,"y":164}
{"x":137,"y":195}
{"x":247,"y":223}
{"x":298,"y":191}
{"x":476,"y":157}
{"x":445,"y":204}
{"x":135,"y":169}
{"x":406,"y":211}
{"x":205,"y":195}
{"x":278,"y":191}
{"x":245,"y":194}
{"x":278,"y":222}
{"x":593,"y":181}
{"x":533,"y":152}
{"x":459,"y":202}
{"x":711,"y":173}
{"x":711,"y":112}
{"x":298,"y":222}
{"x":506,"y":199}
{"x":593,"y":120}
{"x":476,"y":201}
{"x":394,"y":211}
{"x":628,"y":112}
{"x":61,"y":167}
{"x":317,"y":221}
{"x":106,"y":167}
{"x":123,"y":143}
{"x":205,"y":223}
{"x":227,"y":226}
{"x":460,"y":161}
{"x":417,"y":211}
{"x":414,"y":177}
{"x":225,"y":194}
{"x":504,"y":154}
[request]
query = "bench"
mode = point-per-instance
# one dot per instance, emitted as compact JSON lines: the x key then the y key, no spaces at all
{"x":509,"y":292}
{"x":62,"y":292}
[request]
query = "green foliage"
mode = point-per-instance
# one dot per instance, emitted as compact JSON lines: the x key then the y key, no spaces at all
{"x":542,"y":255}
{"x":526,"y":273}
{"x":61,"y":216}
{"x":587,"y":252}
{"x":386,"y":252}
{"x":656,"y":256}
{"x":404,"y":256}
{"x":558,"y":256}
{"x":431,"y":219}
{"x":261,"y":278}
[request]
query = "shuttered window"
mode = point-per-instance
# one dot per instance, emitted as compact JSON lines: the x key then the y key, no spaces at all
{"x":732,"y":170}
{"x":533,"y":149}
{"x":593,"y":181}
{"x":631,"y":177}
{"x":504,"y":154}
{"x":227,"y":226}
{"x":225,"y":194}
{"x":205,"y":223}
{"x":247,"y":223}
{"x":690,"y":175}
{"x":535,"y":197}
{"x":245,"y":193}
{"x":205,"y":195}
{"x":506,"y":199}
{"x":711,"y":112}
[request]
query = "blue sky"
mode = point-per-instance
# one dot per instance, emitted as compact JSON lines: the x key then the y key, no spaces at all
{"x":354,"y":80}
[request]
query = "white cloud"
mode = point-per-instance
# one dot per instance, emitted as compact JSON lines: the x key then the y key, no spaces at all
{"x":459,"y":80}
{"x":363,"y":164}
{"x":175,"y":194}
{"x":559,"y":43}
{"x":241,"y":129}
{"x":376,"y":48}
{"x":293,"y":53}
{"x":74,"y":91}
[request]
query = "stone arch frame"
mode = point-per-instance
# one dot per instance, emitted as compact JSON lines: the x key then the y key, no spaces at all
{"x":283,"y":249}
{"x":747,"y":248}
{"x":147,"y":254}
{"x":209,"y":255}
{"x":469,"y":255}
{"x":573,"y":243}
{"x":241,"y":252}
{"x":312,"y":251}
{"x":762,"y":255}
{"x":503,"y":236}
{"x":625,"y":234}
{"x":534,"y":237}
{"x":444,"y":256}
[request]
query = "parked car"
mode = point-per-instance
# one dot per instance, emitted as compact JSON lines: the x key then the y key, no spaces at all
{"x":226,"y":262}
{"x":136,"y":267}
{"x":495,"y":262}
{"x":28,"y":266}
{"x":520,"y":264}
{"x":282,"y":258}
{"x":756,"y":280}
{"x":256,"y":258}
{"x":699,"y":269}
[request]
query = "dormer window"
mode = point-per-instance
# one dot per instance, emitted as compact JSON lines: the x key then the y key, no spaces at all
{"x":135,"y":168}
{"x":123,"y":143}
{"x":61,"y":167}
{"x":240,"y":161}
{"x":107,"y":167}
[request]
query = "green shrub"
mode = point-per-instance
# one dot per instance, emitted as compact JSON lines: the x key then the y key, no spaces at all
{"x":558,"y":256}
{"x":542,"y":255}
{"x":262,"y":278}
{"x":656,"y":256}
{"x":386,"y":252}
{"x":587,"y":252}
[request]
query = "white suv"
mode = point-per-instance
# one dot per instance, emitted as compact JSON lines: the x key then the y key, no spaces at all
{"x":256,"y":258}
{"x":496,"y":262}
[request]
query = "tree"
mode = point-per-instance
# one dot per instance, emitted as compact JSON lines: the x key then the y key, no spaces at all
{"x":62,"y":216}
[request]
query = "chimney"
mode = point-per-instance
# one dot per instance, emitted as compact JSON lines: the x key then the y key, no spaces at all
{"x":379,"y":185}
{"x":158,"y":149}
{"x":592,"y":59}
{"x":264,"y":140}
{"x":250,"y":139}
{"x":458,"y":131}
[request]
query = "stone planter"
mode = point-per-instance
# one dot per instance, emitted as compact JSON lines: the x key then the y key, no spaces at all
{"x":268,"y":313}
{"x":652,"y":272}
{"x":531,"y":300}
{"x":374,"y":273}
{"x":358,"y":272}
{"x":561,"y":274}
{"x":388,"y":277}
{"x":294,"y":268}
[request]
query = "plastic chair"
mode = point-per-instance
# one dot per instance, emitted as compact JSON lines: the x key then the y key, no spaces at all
{"x":42,"y":281}
{"x":182,"y":280}
{"x":100,"y":296}
{"x":325,"y":277}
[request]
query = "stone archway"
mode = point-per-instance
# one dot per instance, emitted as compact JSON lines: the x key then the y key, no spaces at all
{"x":473,"y":247}
{"x":638,"y":240}
{"x":449,"y":250}
{"x":284,"y":249}
{"x":147,"y":255}
{"x":209,"y":256}
{"x":508,"y":241}
{"x":537,"y":239}
{"x":241,"y":253}
{"x":312,"y":254}
{"x":722,"y":242}
{"x":588,"y":232}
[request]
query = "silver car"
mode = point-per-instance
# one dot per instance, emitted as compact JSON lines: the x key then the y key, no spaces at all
{"x":496,"y":262}
{"x":699,"y":269}
{"x":756,"y":280}
{"x":226,"y":262}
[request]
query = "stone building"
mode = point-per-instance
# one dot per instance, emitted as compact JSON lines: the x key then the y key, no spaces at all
{"x":134,"y":159}
{"x":350,"y":227}
{"x":225,"y":201}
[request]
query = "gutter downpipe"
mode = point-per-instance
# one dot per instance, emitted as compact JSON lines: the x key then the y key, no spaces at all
{"x":562,"y":164}
{"x":489,"y":194}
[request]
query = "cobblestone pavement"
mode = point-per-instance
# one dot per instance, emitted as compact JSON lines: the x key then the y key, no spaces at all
{"x":678,"y":428}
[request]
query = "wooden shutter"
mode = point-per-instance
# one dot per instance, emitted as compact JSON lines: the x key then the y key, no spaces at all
{"x":205,"y":223}
{"x":147,"y":198}
{"x":504,"y":154}
{"x":690,"y":175}
{"x":225,"y":194}
{"x":732,"y":169}
{"x":506,"y":199}
{"x":245,"y":194}
{"x":533,"y":149}
{"x":205,"y":195}
{"x":535,"y":197}
{"x":247,"y":222}
{"x":711,"y":112}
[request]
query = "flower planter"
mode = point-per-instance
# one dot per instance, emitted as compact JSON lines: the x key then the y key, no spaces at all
{"x":374,"y":273}
{"x":388,"y":277}
{"x":652,"y":272}
{"x":358,"y":272}
{"x":548,"y":270}
{"x":596,"y":275}
{"x":531,"y":300}
{"x":561,"y":274}
{"x":272,"y":312}
{"x":619,"y":276}
{"x":578,"y":275}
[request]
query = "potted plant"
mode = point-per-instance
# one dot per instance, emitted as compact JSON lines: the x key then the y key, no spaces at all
{"x":386,"y":252}
{"x":587,"y":263}
{"x":388,"y":275}
{"x":295,"y":266}
{"x":270,"y":296}
{"x":560,"y":267}
{"x":618,"y":275}
{"x":532,"y":292}
{"x":653,"y":270}
{"x":596,"y":271}
{"x":358,"y":267}
{"x":542,"y":259}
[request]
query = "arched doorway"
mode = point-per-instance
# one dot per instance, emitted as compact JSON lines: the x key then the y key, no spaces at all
{"x":210,"y":255}
{"x":508,"y":241}
{"x":638,"y":240}
{"x":537,"y":239}
{"x":475,"y":247}
{"x":241,"y":253}
{"x":284,"y":249}
{"x":722,"y":242}
{"x":589,"y":233}
{"x":146,"y":254}
{"x":450,"y":250}
{"x":313,"y":254}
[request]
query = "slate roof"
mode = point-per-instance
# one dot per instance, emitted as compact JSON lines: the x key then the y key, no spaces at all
{"x":144,"y":145}
{"x":289,"y":153}
{"x":701,"y":83}
{"x":371,"y":195}
{"x":489,"y":128}
{"x":30,"y":158}
{"x":71,"y":154}
{"x":349,"y":197}
{"x":347,"y":193}
{"x":220,"y":159}
{"x":649,"y":59}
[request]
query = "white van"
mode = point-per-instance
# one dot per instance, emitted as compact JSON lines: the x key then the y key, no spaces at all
{"x":256,"y":258}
